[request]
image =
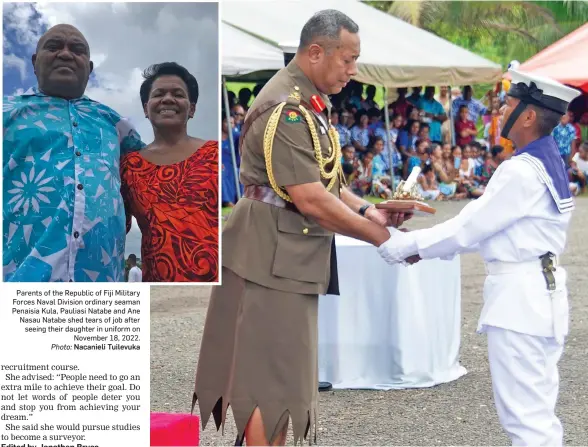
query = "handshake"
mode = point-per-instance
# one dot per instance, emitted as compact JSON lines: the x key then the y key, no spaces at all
{"x":400,"y":241}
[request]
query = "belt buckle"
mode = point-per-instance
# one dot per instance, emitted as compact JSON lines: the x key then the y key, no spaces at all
{"x":548,"y":269}
{"x":547,"y":262}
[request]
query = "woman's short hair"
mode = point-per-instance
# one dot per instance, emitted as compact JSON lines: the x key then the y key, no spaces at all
{"x":433,"y":147}
{"x":374,"y":139}
{"x":373,"y":112}
{"x":427,"y":166}
{"x":496,"y":150}
{"x":409,"y":124}
{"x":168,"y":69}
{"x":359,"y":114}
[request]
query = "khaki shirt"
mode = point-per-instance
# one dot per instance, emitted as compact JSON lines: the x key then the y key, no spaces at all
{"x":271,"y":246}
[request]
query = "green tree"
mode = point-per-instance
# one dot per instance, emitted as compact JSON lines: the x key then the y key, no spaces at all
{"x":499,"y":31}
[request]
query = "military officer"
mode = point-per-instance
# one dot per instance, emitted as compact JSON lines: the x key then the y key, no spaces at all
{"x":519,"y":226}
{"x":259,"y":346}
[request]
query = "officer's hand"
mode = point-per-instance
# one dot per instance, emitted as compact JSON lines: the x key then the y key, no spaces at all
{"x":376,"y":216}
{"x":412,"y":259}
{"x":386,"y":218}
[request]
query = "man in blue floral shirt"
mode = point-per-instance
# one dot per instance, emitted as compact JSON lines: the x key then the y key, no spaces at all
{"x":564,"y":134}
{"x":63,"y":215}
{"x":475,"y":108}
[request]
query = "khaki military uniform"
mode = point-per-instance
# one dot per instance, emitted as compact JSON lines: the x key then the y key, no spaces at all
{"x":259,"y":346}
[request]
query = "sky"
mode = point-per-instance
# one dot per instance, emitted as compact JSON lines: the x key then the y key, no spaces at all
{"x":124,"y":39}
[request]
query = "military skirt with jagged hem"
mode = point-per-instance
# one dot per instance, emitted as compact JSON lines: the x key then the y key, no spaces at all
{"x":259,"y":350}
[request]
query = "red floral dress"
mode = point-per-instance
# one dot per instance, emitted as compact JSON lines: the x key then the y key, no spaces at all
{"x":176,"y":207}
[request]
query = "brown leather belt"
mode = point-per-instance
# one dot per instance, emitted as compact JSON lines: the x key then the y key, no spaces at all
{"x":267,"y":195}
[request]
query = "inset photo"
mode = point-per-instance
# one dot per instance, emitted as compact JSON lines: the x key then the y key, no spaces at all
{"x":110,"y":150}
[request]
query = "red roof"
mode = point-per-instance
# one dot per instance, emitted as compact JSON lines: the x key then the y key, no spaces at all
{"x":565,"y":61}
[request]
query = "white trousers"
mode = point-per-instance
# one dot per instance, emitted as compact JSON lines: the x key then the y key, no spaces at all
{"x":525,"y":382}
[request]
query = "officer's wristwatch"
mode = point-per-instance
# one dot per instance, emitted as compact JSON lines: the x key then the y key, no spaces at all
{"x":364,"y":208}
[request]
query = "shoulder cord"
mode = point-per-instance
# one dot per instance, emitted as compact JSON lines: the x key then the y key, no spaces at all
{"x":334,"y":150}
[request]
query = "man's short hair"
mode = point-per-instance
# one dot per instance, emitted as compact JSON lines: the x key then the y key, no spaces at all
{"x":42,"y":39}
{"x":324,"y":26}
{"x":547,"y":120}
{"x":133,"y":258}
{"x":168,"y":69}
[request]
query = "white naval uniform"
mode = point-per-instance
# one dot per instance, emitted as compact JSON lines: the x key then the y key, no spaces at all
{"x":514,"y":223}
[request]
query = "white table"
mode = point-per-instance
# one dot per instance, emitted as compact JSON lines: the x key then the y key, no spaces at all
{"x":392,"y":327}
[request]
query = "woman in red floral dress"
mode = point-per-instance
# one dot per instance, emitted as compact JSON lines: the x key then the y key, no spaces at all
{"x":171,"y":187}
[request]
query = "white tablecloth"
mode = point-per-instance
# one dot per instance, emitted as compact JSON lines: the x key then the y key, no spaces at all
{"x":392,"y":327}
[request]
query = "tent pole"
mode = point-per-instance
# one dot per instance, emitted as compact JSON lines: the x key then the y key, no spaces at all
{"x":451,"y":122}
{"x":388,"y":142}
{"x":231,"y":139}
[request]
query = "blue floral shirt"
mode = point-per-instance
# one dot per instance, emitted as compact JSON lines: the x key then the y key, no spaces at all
{"x":63,"y":214}
{"x":344,"y":134}
{"x":475,"y":108}
{"x":362,"y":136}
{"x":564,"y":136}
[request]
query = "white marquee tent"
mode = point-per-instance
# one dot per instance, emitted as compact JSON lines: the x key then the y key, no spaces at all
{"x":393,"y":52}
{"x":244,"y":54}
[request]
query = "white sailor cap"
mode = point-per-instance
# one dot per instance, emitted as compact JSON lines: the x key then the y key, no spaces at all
{"x":541,"y":91}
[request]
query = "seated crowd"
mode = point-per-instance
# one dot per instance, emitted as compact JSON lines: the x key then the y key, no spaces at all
{"x":419,"y":135}
{"x":571,"y":137}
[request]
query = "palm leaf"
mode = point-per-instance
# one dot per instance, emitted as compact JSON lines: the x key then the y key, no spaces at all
{"x":408,"y":11}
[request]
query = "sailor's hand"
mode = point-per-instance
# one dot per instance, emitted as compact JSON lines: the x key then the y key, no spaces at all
{"x":392,"y":249}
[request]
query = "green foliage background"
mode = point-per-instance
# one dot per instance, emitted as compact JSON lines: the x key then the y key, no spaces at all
{"x":500,"y":31}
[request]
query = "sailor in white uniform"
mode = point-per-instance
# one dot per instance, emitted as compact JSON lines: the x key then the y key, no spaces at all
{"x":519,"y":227}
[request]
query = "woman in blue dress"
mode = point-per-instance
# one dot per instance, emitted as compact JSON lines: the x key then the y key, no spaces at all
{"x":360,"y":134}
{"x":229,"y":190}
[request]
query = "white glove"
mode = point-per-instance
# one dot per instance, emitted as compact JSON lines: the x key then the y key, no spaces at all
{"x":399,"y":247}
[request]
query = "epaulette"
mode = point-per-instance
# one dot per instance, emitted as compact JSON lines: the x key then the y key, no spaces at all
{"x":294,"y":97}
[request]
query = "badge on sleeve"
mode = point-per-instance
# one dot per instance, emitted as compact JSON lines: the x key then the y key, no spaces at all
{"x":293,"y":117}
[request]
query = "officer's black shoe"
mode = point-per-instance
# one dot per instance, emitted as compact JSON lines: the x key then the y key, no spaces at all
{"x":325,"y":386}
